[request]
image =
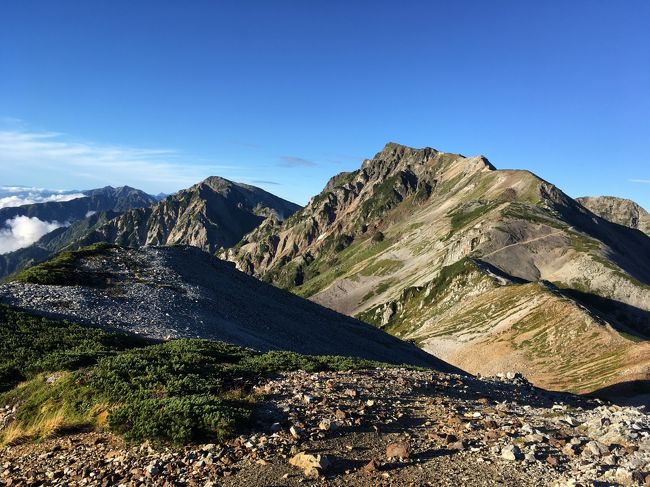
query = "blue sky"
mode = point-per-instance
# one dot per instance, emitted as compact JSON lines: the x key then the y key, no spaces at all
{"x":160,"y":94}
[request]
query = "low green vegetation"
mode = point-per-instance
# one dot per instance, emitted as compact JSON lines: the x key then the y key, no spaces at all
{"x":416,"y":298}
{"x":583,"y":243}
{"x":380,"y":289}
{"x":61,"y":269}
{"x":30,"y":345}
{"x":382,"y":267}
{"x":319,"y":273}
{"x":64,"y":377}
{"x":464,"y":216}
{"x":384,"y":198}
{"x":531,"y":214}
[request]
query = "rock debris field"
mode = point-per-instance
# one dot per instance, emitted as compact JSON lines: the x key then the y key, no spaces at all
{"x":182,"y":292}
{"x":378,"y":427}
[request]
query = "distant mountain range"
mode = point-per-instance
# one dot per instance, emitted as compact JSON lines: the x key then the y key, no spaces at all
{"x":213,"y":214}
{"x":76,"y":218}
{"x":94,"y":200}
{"x":488,"y":269}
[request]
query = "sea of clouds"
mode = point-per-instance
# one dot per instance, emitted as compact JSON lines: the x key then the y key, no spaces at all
{"x":21,"y":195}
{"x":22,"y":231}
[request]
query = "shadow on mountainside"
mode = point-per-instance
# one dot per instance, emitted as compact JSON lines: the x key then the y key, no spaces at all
{"x":624,"y":317}
{"x":630,"y":248}
{"x":183,"y":292}
{"x":631,"y":393}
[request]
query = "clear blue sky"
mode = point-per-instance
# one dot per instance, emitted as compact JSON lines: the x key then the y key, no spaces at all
{"x":159,"y":94}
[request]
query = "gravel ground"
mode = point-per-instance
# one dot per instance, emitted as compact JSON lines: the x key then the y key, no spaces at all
{"x":183,"y":292}
{"x":379,"y":427}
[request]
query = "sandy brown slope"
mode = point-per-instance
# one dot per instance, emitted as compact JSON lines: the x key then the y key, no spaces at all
{"x":485,"y":324}
{"x":394,"y":225}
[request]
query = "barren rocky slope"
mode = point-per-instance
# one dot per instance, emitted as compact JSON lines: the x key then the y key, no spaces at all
{"x":212,"y":214}
{"x":378,"y":427}
{"x":482,"y":267}
{"x":618,"y":210}
{"x":173,"y":292}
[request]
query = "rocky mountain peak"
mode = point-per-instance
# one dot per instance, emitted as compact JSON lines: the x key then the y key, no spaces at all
{"x":217,"y":183}
{"x":215,"y":213}
{"x":618,"y":210}
{"x":394,"y":155}
{"x":395,"y":158}
{"x":418,"y":240}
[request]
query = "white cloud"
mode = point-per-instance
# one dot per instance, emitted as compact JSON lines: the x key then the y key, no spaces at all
{"x":90,"y":213}
{"x":100,"y":164}
{"x":20,"y":195}
{"x":644,"y":181}
{"x":23,"y":231}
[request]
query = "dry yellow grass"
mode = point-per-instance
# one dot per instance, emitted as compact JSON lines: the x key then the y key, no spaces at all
{"x":14,"y":435}
{"x":99,"y":413}
{"x":48,"y":426}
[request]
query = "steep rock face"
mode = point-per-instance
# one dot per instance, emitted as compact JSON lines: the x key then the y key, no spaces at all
{"x":213,"y":214}
{"x":352,"y":204}
{"x":396,"y":226}
{"x":618,"y":210}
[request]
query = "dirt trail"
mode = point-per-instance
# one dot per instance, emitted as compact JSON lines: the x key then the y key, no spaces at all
{"x":522,"y":242}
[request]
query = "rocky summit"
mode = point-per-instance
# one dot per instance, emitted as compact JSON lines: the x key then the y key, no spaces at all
{"x":485,"y":268}
{"x":211,"y":215}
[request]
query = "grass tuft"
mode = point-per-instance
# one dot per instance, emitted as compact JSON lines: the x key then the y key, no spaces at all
{"x":176,"y":392}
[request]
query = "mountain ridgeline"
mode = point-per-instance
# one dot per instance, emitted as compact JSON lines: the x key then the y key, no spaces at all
{"x":95,"y":200}
{"x":213,"y":214}
{"x":488,"y":269}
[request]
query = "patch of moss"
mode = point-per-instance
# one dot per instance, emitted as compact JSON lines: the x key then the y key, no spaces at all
{"x":464,"y":216}
{"x":61,"y":269}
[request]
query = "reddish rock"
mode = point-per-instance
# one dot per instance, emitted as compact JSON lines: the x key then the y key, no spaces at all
{"x":399,"y":449}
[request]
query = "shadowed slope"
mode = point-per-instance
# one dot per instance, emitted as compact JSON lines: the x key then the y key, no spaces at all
{"x":184,"y":292}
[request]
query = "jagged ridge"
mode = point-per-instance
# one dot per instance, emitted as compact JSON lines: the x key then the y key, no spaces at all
{"x":212,"y":214}
{"x":407,"y":214}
